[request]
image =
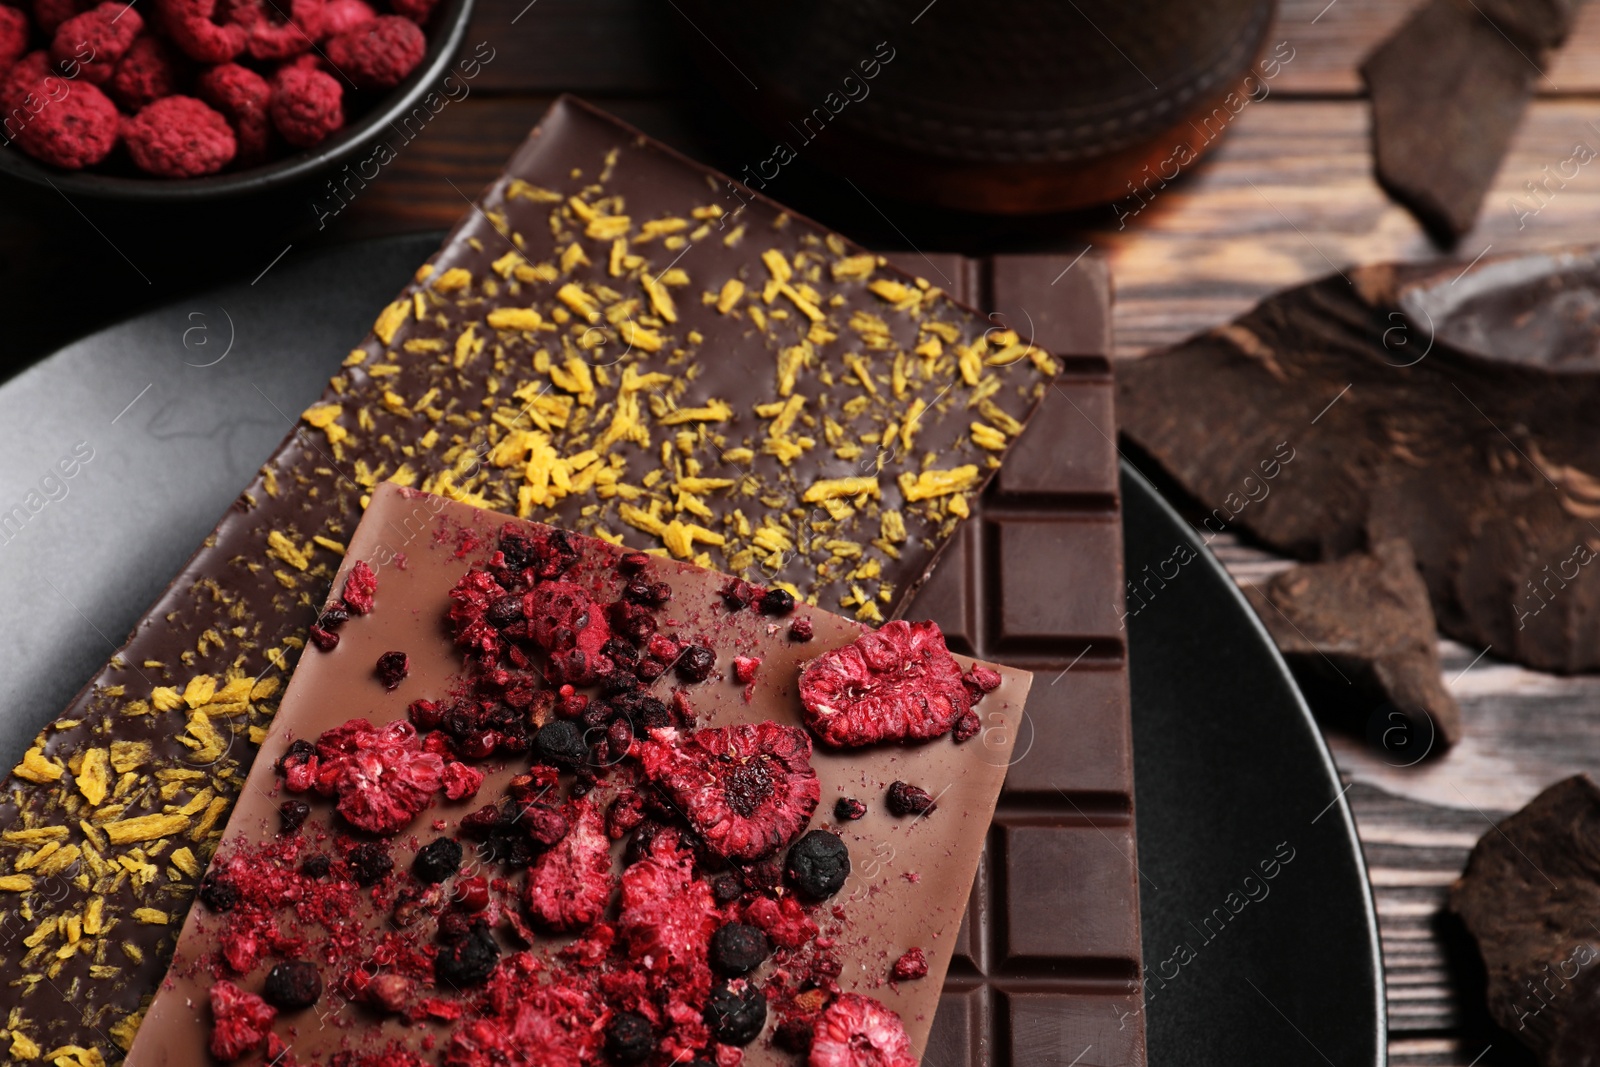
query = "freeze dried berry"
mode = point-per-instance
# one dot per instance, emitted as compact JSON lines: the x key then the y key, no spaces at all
{"x":746,"y":789}
{"x":471,"y":894}
{"x":461,"y":781}
{"x":199,"y":30}
{"x":380,"y":54}
{"x":381,"y":777}
{"x":818,"y":864}
{"x":793,"y":1035}
{"x":179,"y":137}
{"x":801,"y":630}
{"x":316,"y":866}
{"x":145,"y":74}
{"x":388,"y":993}
{"x":629,"y":1039}
{"x":96,"y":40}
{"x":569,"y":885}
{"x":361,"y":586}
{"x":293,"y":985}
{"x":370,"y":863}
{"x":739,"y":948}
{"x":275,"y":30}
{"x":572,"y":630}
{"x":858,"y":1031}
{"x":695,"y":663}
{"x":906,"y":799}
{"x":392,"y":669}
{"x":897,"y":683}
{"x":437,"y":860}
{"x":980,"y":680}
{"x":666,"y":922}
{"x":76,"y":125}
{"x":777,"y":602}
{"x":561,"y":743}
{"x":739,"y":594}
{"x":415,"y":10}
{"x":848,"y":809}
{"x":218,"y":894}
{"x":967,"y":726}
{"x":240,"y":1021}
{"x":345,"y":16}
{"x":744,"y":668}
{"x":306,"y":107}
{"x":292,"y":814}
{"x":468,"y":960}
{"x":13,"y":37}
{"x":736,"y":1012}
{"x":912,"y":964}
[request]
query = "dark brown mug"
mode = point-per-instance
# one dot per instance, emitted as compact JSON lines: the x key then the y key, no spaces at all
{"x":1006,"y":106}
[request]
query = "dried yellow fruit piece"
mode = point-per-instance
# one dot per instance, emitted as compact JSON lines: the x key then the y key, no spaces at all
{"x":94,"y":776}
{"x":200,"y":690}
{"x":453,"y":280}
{"x":715,"y":411}
{"x":606,"y":227}
{"x":144,"y":828}
{"x":935,"y":483}
{"x":581,"y":303}
{"x":151,"y":915}
{"x":391,"y":318}
{"x":515,"y":319}
{"x":36,"y":768}
{"x":22,"y":1047}
{"x":16,"y":883}
{"x":732,"y":290}
{"x":853,"y":268}
{"x":841,"y":489}
{"x":777,"y":265}
{"x":986,"y":436}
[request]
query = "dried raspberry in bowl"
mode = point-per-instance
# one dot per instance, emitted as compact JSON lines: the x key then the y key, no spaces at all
{"x":899,"y":683}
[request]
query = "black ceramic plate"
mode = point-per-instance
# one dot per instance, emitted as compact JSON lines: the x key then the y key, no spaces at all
{"x":176,"y":409}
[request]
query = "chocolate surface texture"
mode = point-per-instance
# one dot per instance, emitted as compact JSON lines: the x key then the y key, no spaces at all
{"x":111,"y":818}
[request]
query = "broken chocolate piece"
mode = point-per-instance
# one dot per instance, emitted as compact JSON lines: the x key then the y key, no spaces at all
{"x":1529,"y":897}
{"x":1360,"y":636}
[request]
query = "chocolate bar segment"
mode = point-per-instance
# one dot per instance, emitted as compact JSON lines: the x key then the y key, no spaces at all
{"x":909,"y":879}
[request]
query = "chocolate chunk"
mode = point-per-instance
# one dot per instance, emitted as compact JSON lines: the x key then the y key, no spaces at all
{"x":1359,"y":634}
{"x":1529,"y":897}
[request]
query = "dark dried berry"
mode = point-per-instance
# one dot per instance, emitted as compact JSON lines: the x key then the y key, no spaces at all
{"x":369,"y":863}
{"x":519,"y":551}
{"x":818,"y":864}
{"x":293,"y":985}
{"x":738,"y":594}
{"x":739,"y":948}
{"x":638,"y":592}
{"x":561,"y":743}
{"x":437,"y":860}
{"x":847,"y":809}
{"x":504,"y":611}
{"x":425,"y":714}
{"x":393,"y":668}
{"x":736,"y":1012}
{"x":966,"y":727}
{"x":467,"y":960}
{"x":629,"y":1039}
{"x":726,"y":888}
{"x":546,"y":826}
{"x":906,"y":799}
{"x":644,"y":711}
{"x":333,"y":618}
{"x":777,"y":602}
{"x":292,"y":815}
{"x":315,"y":866}
{"x":633,"y":562}
{"x":326,"y":640}
{"x":695,"y":663}
{"x":801,"y":630}
{"x":794,"y":1035}
{"x":454,"y":925}
{"x":217,"y":894}
{"x":297,"y":753}
{"x":911,"y":965}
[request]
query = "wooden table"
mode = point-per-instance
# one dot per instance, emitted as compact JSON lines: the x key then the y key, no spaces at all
{"x":1287,"y":196}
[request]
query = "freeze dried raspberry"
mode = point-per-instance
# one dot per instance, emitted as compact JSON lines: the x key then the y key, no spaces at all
{"x":293,"y":985}
{"x":392,"y":669}
{"x":736,"y":1012}
{"x":50,"y":14}
{"x":381,"y":777}
{"x":898,"y":683}
{"x":269,"y":35}
{"x":199,"y":30}
{"x":801,"y":630}
{"x":666,"y":923}
{"x":906,"y":799}
{"x":75,"y":126}
{"x":13,"y":37}
{"x":415,"y":10}
{"x":980,"y":680}
{"x":146,"y":73}
{"x":912,"y":964}
{"x":571,"y":628}
{"x":818,"y":864}
{"x":784,"y":921}
{"x":437,"y":860}
{"x":179,"y":137}
{"x":387,"y":993}
{"x":361,"y":585}
{"x":471,"y":894}
{"x":343,"y":16}
{"x":307,"y":106}
{"x":461,"y":781}
{"x":848,"y":809}
{"x":625,"y":813}
{"x":96,"y":40}
{"x":240,"y":1021}
{"x":569,"y":885}
{"x":746,"y":789}
{"x":858,"y":1031}
{"x":744,"y":668}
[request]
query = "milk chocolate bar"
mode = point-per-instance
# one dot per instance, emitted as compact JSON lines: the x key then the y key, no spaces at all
{"x":909,"y":873}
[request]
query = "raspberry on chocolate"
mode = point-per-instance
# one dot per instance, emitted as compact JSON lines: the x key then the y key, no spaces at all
{"x":695,"y":663}
{"x":744,"y":668}
{"x":293,"y":985}
{"x":218,"y":894}
{"x":370,"y":863}
{"x":629,"y":1039}
{"x":392,"y":669}
{"x":468,"y":960}
{"x":95,"y":41}
{"x":240,"y":1021}
{"x":739,"y":594}
{"x":437,"y":860}
{"x":736,"y":1012}
{"x":858,"y":1031}
{"x":848,"y":809}
{"x":818,"y":864}
{"x":388,"y":993}
{"x":967,"y":726}
{"x":897,"y":683}
{"x":381,"y":777}
{"x":746,"y":789}
{"x":911,"y":965}
{"x":739,"y":948}
{"x":801,"y":630}
{"x":569,"y":885}
{"x":292,"y":815}
{"x":361,"y":586}
{"x":906,"y":799}
{"x":777,"y":601}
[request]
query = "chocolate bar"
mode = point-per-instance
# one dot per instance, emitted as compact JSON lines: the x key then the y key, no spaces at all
{"x":909,"y":876}
{"x":157,"y":746}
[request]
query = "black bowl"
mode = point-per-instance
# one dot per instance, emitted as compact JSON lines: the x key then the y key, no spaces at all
{"x":447,"y":26}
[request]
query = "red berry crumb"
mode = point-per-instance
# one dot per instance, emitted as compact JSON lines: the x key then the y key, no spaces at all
{"x":744,"y":668}
{"x":392,"y":669}
{"x":913,"y":963}
{"x":95,"y":41}
{"x":569,"y":885}
{"x":361,"y":586}
{"x":858,"y":1031}
{"x":380,"y":54}
{"x":307,"y":105}
{"x":747,"y":790}
{"x":240,"y":1021}
{"x":461,"y":781}
{"x":898,"y":683}
{"x":381,"y":777}
{"x":980,"y":680}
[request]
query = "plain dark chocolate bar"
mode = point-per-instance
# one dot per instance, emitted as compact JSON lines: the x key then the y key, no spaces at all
{"x":111,"y":817}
